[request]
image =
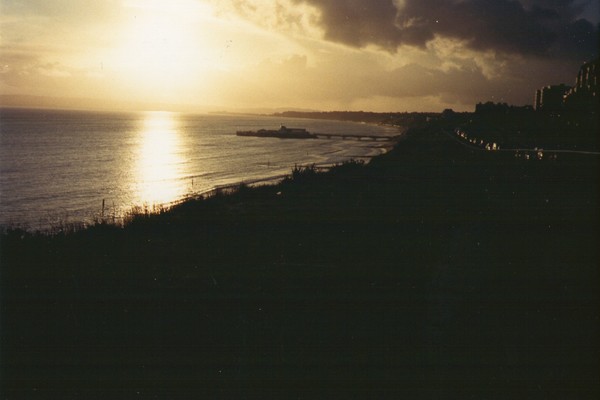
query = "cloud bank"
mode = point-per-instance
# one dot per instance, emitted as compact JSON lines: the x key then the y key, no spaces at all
{"x":551,"y":28}
{"x":380,"y":55}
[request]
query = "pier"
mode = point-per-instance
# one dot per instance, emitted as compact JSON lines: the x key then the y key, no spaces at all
{"x":345,"y":136}
{"x":301,"y":133}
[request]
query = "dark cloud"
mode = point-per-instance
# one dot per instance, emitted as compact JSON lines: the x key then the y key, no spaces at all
{"x":359,"y":22}
{"x":528,"y":27}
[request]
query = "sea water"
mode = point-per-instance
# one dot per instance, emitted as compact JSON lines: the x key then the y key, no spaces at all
{"x":61,"y":167}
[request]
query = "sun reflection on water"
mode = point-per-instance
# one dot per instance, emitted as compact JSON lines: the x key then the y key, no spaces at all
{"x":159,"y":166}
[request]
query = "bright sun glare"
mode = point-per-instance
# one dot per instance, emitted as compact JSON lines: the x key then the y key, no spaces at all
{"x":162,"y":49}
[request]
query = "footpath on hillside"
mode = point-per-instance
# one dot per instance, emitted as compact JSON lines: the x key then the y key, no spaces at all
{"x":435,"y":271}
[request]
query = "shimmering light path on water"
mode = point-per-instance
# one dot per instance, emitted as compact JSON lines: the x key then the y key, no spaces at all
{"x":61,"y":166}
{"x":159,"y":160}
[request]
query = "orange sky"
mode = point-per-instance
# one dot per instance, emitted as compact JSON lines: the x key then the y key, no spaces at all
{"x":206,"y":55}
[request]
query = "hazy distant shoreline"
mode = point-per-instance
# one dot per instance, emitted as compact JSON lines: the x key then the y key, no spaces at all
{"x":60,"y":166}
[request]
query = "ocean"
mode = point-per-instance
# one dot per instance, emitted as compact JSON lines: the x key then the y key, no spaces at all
{"x":61,"y":167}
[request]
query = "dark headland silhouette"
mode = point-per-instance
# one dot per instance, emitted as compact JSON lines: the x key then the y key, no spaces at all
{"x":451,"y":267}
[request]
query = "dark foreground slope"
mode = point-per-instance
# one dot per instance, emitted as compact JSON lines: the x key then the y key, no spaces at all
{"x":434,"y":272}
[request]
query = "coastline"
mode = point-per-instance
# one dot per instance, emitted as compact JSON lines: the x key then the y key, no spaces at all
{"x":121,"y":167}
{"x":458,"y":267}
{"x":383,"y":149}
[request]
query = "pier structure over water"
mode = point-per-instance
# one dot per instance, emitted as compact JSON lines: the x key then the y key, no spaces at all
{"x":301,"y":133}
{"x":345,"y":136}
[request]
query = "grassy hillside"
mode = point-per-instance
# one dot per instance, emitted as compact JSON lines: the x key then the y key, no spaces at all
{"x":435,"y":271}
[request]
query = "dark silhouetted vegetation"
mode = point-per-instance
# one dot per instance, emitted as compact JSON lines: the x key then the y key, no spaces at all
{"x":435,"y":271}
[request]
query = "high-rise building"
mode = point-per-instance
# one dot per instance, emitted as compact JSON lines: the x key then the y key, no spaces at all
{"x":585,"y":95}
{"x":551,"y":98}
{"x":587,"y":78}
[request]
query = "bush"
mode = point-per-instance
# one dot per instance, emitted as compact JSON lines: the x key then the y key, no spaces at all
{"x":303,"y":173}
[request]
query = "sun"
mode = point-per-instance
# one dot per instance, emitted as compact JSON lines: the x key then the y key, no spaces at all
{"x":162,"y":50}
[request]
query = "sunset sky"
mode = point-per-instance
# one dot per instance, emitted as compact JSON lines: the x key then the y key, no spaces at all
{"x":376,"y":55}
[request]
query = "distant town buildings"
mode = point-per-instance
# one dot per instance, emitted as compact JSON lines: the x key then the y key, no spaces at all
{"x":500,"y":108}
{"x":584,"y":96}
{"x":551,"y":98}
